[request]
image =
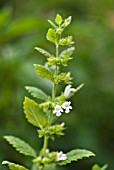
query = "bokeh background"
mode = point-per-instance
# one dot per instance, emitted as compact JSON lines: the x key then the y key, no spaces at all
{"x":23,"y":25}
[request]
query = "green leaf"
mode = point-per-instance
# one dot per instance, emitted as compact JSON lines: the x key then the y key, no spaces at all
{"x":35,"y":92}
{"x":97,"y":167}
{"x":21,"y":146}
{"x":67,"y":51}
{"x":76,"y":154}
{"x":104,"y":167}
{"x":53,"y":25}
{"x":42,"y":51}
{"x":58,"y":19}
{"x":13,"y":166}
{"x":79,"y":87}
{"x":76,"y":90}
{"x":66,"y":41}
{"x":51,"y":35}
{"x":43,"y":72}
{"x":50,"y":167}
{"x":34,"y":114}
{"x":67,"y":22}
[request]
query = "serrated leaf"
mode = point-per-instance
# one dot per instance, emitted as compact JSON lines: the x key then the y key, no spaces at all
{"x":51,"y":35}
{"x":21,"y":146}
{"x":58,"y":19}
{"x":67,"y":51}
{"x":42,"y":51}
{"x":76,"y":154}
{"x":43,"y":72}
{"x":34,"y":113}
{"x":13,"y":166}
{"x":35,"y":92}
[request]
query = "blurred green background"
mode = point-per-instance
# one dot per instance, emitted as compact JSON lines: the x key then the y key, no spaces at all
{"x":23,"y":25}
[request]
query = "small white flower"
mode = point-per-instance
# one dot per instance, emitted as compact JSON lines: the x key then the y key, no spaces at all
{"x":57,"y":110}
{"x":66,"y":106}
{"x":68,"y":90}
{"x":61,"y":156}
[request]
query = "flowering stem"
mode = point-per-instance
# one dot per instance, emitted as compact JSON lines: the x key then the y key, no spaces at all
{"x":53,"y":97}
{"x":45,"y":145}
{"x":54,"y":85}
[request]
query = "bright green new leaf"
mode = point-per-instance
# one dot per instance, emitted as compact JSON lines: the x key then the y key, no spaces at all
{"x":67,"y":22}
{"x":52,"y":24}
{"x":51,"y":35}
{"x":21,"y":146}
{"x":97,"y":167}
{"x":58,"y":19}
{"x":43,"y":72}
{"x":13,"y":166}
{"x":34,"y":113}
{"x":66,"y":41}
{"x":67,"y":51}
{"x":42,"y":51}
{"x":76,"y":154}
{"x":35,"y":92}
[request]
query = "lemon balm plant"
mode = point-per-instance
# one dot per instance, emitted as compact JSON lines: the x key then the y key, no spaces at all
{"x":44,"y":116}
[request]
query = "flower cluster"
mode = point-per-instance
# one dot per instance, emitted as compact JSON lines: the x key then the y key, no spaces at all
{"x":61,"y":156}
{"x":58,"y":109}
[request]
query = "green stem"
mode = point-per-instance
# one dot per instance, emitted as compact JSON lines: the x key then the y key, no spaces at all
{"x":53,"y":97}
{"x":54,"y":85}
{"x":57,"y":50}
{"x":53,"y":92}
{"x":45,"y":145}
